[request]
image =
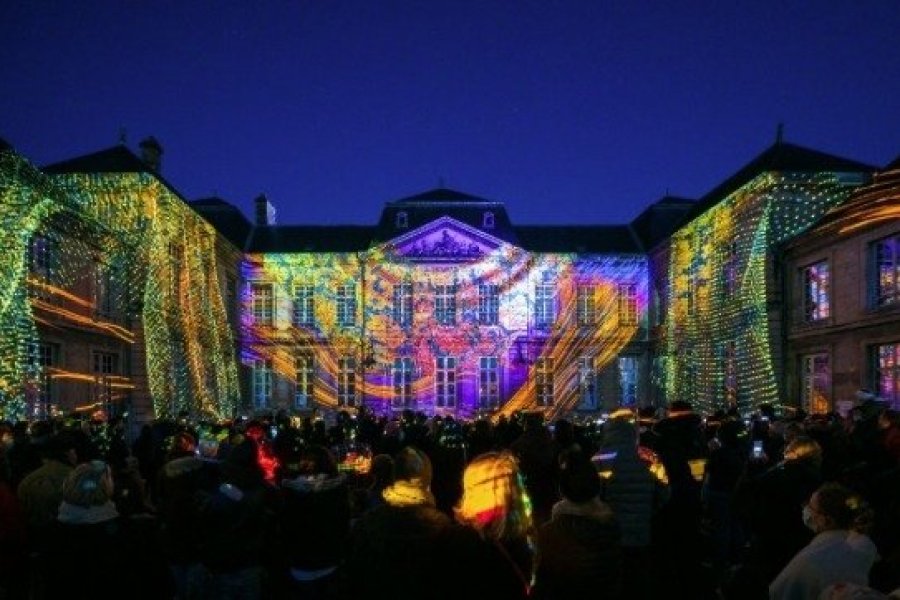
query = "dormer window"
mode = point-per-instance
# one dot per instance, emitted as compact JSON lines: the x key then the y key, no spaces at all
{"x":402,"y":220}
{"x":488,"y":220}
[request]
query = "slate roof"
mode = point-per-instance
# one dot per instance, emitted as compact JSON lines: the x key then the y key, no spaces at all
{"x":780,"y":157}
{"x":226,"y":218}
{"x":117,"y":159}
{"x":657,"y":222}
{"x":595,"y":239}
{"x":310,"y":238}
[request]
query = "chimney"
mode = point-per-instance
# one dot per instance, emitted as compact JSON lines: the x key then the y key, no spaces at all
{"x":265,"y":212}
{"x":151,"y":153}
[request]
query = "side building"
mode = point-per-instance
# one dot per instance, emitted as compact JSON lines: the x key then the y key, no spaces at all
{"x":842,"y":281}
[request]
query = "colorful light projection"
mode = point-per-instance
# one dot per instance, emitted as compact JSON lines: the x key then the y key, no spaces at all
{"x":720,"y":349}
{"x":379,"y":340}
{"x":189,"y":347}
{"x":129,"y":223}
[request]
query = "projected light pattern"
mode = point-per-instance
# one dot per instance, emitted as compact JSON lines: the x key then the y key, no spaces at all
{"x":719,"y":344}
{"x":157,"y":260}
{"x":424,"y":331}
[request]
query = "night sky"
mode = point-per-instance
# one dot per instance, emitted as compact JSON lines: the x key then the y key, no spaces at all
{"x":569,"y":112}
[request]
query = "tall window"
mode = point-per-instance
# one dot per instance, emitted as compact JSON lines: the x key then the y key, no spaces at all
{"x":262,"y":383}
{"x":41,"y":256}
{"x":586,"y":305}
{"x":105,"y":365}
{"x":304,"y":305}
{"x":346,"y":381}
{"x":886,"y":276}
{"x":887,"y":373}
{"x":103,"y":294}
{"x":543,"y":381}
{"x":816,"y":290}
{"x":544,"y":316}
{"x":262,"y":303}
{"x":488,"y":304}
{"x":488,"y":382}
{"x":627,"y":304}
{"x":403,"y":303}
{"x":402,"y":375}
{"x":346,"y":305}
{"x":304,"y":366}
{"x":445,"y":381}
{"x":445,"y":304}
{"x":816,"y":383}
{"x":730,"y":270}
{"x":628,"y":378}
{"x":587,"y":383}
{"x":729,"y":369}
{"x":43,"y":357}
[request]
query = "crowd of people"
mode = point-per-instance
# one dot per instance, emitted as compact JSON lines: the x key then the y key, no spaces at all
{"x":634,"y":506}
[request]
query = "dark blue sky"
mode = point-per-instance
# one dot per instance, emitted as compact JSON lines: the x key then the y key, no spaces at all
{"x":569,"y":112}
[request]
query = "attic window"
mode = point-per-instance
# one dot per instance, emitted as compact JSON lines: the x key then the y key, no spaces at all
{"x":488,"y":220}
{"x":402,"y":220}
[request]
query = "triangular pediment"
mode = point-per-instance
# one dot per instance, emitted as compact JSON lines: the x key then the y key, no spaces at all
{"x":443,"y":240}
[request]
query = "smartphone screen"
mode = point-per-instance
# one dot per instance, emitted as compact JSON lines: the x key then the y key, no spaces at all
{"x":757,"y":449}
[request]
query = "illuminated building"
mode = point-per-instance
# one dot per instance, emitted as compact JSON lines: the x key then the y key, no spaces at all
{"x":118,"y":293}
{"x":843,"y":285}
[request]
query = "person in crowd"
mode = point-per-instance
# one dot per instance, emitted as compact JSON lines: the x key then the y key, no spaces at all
{"x":635,"y":495}
{"x":579,"y":547}
{"x":234,"y":523}
{"x":536,"y":453}
{"x":723,"y":471}
{"x":89,"y":536}
{"x":41,"y":491}
{"x":382,"y":476}
{"x":314,"y":526}
{"x":402,"y":548}
{"x":772,"y":502}
{"x":495,"y":505}
{"x":181,"y":479}
{"x":840,"y":552}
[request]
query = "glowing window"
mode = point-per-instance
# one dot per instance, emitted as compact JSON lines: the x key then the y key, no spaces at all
{"x":403,"y":303}
{"x":886,"y":276}
{"x":445,"y":381}
{"x":587,"y":383}
{"x":816,"y":383}
{"x":816,"y":291}
{"x":488,"y":382}
{"x":488,"y":304}
{"x":261,"y":303}
{"x":445,"y":304}
{"x":627,"y":304}
{"x":347,"y":381}
{"x":887,"y":373}
{"x":105,"y":365}
{"x":103,"y":294}
{"x":543,"y":381}
{"x":402,"y":375}
{"x":43,"y":357}
{"x":585,"y":302}
{"x":304,"y":305}
{"x":628,"y":378}
{"x":304,"y":367}
{"x":261,"y":382}
{"x":544,"y":313}
{"x":346,"y":305}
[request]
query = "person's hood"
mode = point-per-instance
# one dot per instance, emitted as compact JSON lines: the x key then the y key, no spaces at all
{"x":72,"y":514}
{"x":311,"y":484}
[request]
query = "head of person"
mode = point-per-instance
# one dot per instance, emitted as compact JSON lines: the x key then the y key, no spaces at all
{"x":382,"y":471}
{"x":494,"y":500}
{"x":90,"y":484}
{"x":414,"y":465}
{"x":579,"y":481}
{"x":834,"y":507}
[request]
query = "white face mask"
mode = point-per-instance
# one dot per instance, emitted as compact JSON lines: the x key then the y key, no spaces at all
{"x":808,"y":517}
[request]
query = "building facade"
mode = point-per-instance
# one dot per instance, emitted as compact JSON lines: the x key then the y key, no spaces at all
{"x":123,"y":296}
